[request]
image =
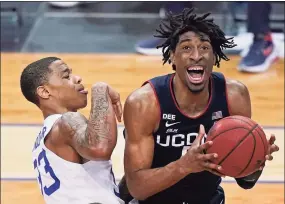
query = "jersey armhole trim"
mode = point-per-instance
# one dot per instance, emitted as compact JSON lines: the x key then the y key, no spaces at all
{"x":55,"y":122}
{"x":53,"y":153}
{"x":227,"y":98}
{"x":157,"y":101}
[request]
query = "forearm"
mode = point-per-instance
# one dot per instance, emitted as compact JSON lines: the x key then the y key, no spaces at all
{"x":101,"y":132}
{"x":94,"y":138}
{"x":249,"y":181}
{"x":147,"y":182}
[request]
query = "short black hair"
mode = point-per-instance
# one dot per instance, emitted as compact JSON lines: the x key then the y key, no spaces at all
{"x":35,"y":75}
{"x":176,"y":24}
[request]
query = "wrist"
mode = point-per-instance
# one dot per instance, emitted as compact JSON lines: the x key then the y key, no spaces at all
{"x":181,"y":169}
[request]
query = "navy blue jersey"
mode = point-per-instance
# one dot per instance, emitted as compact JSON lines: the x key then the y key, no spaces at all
{"x":177,"y":132}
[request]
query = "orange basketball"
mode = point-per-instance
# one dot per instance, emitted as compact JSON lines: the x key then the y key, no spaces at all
{"x":240,"y":143}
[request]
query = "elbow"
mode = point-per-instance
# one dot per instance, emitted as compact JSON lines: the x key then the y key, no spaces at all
{"x":100,"y":153}
{"x":136,"y":190}
{"x":138,"y":194}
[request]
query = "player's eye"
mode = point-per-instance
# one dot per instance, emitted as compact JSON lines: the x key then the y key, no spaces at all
{"x":186,"y":47}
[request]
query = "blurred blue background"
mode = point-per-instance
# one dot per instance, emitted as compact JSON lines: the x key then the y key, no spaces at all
{"x":109,"y":27}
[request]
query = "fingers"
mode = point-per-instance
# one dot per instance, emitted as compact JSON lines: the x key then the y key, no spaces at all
{"x":208,"y":165}
{"x":213,"y":168}
{"x":201,"y":130}
{"x":272,"y":139}
{"x":261,"y":168}
{"x":120,"y":111}
{"x":200,"y":136}
{"x":269,"y":157}
{"x":207,"y":157}
{"x":114,"y":95}
{"x":116,"y":112}
{"x":204,"y":146}
{"x":273,"y":148}
{"x":216,"y":173}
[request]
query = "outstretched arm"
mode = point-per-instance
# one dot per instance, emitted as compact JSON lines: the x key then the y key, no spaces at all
{"x":94,"y":139}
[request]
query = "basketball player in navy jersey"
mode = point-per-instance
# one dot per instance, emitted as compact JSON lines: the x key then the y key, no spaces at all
{"x":166,"y":119}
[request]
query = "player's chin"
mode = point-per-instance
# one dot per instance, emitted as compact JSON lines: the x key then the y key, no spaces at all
{"x":84,"y":104}
{"x":82,"y":101}
{"x":196,"y":88}
{"x":81,"y":105}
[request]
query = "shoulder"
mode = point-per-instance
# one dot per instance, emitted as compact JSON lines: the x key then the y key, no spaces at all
{"x":149,"y":89}
{"x":236,"y":88}
{"x":239,"y":102}
{"x":72,"y":117}
{"x":142,"y":97}
{"x":141,"y":109}
{"x":65,"y":127}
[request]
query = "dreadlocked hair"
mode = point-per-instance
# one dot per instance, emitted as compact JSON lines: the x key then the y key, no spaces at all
{"x":176,"y":24}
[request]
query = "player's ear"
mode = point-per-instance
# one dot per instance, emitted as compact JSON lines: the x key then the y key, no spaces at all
{"x":172,"y":60}
{"x":214,"y":59}
{"x":43,"y":92}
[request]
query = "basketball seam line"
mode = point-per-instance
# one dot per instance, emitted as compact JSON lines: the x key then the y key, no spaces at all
{"x":236,"y":118}
{"x":259,"y":128}
{"x":251,"y":154}
{"x":250,"y":131}
{"x":212,"y":139}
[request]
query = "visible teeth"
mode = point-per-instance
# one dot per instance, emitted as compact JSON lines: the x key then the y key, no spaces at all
{"x":195,"y":68}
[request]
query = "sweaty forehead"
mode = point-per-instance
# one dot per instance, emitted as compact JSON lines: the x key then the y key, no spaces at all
{"x":190,"y":35}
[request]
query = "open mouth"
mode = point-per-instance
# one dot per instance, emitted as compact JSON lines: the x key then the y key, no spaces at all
{"x":196,"y":74}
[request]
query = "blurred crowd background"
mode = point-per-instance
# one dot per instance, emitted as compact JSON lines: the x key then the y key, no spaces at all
{"x":128,"y":27}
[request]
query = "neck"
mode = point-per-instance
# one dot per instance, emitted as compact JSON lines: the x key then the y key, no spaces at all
{"x":53,"y":109}
{"x":188,"y":101}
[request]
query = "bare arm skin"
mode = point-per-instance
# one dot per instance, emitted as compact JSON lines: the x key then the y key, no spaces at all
{"x":238,"y":98}
{"x":240,"y":104}
{"x":92,"y":139}
{"x":141,"y":117}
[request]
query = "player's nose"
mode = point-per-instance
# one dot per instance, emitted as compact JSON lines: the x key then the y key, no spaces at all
{"x":77,"y":79}
{"x":196,"y":55}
